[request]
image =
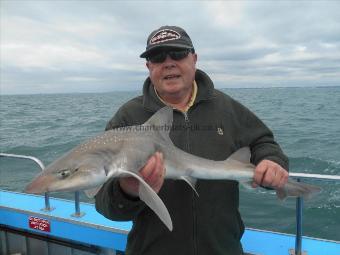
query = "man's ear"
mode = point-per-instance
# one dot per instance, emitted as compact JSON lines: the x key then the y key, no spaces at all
{"x":195,"y":57}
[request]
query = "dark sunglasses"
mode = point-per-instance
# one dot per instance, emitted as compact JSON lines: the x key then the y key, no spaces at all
{"x":173,"y":54}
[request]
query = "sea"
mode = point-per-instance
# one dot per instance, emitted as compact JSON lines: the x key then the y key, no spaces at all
{"x":305,"y":121}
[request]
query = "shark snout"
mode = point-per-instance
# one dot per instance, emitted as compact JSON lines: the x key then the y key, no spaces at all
{"x":39,"y":185}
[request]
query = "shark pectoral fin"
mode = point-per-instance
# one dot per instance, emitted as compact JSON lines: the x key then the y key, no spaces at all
{"x":90,"y":193}
{"x":150,"y":197}
{"x":297,"y":189}
{"x":191,"y":181}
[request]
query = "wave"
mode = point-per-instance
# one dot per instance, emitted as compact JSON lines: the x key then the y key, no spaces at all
{"x":314,"y":165}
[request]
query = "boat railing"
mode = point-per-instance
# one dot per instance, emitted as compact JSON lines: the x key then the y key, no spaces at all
{"x":299,"y":206}
{"x":299,"y":200}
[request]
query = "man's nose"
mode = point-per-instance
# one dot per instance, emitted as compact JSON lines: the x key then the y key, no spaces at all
{"x":169,"y":62}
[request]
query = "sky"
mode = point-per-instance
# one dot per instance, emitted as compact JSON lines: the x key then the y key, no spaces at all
{"x":72,"y":46}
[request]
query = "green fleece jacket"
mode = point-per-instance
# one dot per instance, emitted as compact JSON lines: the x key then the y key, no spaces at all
{"x":213,"y":128}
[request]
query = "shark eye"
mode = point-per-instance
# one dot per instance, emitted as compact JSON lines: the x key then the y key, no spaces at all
{"x":64,"y":173}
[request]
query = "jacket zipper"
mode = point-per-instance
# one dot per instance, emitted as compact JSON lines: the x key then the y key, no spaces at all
{"x":187,"y":126}
{"x":187,"y":129}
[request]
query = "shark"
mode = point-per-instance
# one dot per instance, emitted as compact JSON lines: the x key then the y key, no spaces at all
{"x":122,"y":152}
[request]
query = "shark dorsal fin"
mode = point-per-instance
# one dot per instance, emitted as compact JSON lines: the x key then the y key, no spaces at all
{"x":163,"y":117}
{"x":241,"y":155}
{"x":161,"y":122}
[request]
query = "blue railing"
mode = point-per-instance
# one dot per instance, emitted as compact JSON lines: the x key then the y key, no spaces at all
{"x":299,"y":201}
{"x":299,"y":205}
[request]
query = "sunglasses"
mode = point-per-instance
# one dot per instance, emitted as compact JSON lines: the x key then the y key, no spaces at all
{"x":174,"y":54}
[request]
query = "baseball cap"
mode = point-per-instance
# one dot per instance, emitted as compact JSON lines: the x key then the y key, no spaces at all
{"x":167,"y":37}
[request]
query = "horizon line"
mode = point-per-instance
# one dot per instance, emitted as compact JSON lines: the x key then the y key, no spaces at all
{"x":140,"y":90}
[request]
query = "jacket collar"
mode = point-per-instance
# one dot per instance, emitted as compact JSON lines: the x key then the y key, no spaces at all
{"x":205,"y":92}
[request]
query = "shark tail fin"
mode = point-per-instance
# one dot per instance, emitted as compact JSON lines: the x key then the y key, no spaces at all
{"x":150,"y":197}
{"x":292,"y":187}
{"x":297,"y":189}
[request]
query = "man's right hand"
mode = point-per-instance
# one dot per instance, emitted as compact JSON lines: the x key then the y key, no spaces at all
{"x":153,"y":174}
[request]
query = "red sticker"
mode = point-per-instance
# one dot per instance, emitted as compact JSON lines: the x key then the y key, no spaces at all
{"x":39,"y":224}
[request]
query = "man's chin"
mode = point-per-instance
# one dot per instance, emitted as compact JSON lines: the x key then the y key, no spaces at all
{"x":172,"y":88}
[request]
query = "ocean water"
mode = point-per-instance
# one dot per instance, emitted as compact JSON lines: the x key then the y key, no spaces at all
{"x":305,"y":121}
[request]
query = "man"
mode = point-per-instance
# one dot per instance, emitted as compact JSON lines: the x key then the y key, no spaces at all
{"x":207,"y":123}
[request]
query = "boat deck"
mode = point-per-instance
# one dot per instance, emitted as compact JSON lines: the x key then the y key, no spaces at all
{"x":24,"y":212}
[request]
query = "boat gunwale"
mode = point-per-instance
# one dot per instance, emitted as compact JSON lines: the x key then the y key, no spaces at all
{"x":119,"y":230}
{"x":73,"y":220}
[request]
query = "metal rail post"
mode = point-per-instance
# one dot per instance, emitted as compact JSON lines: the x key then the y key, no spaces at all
{"x":298,"y":238}
{"x":48,"y":207}
{"x":77,"y":212}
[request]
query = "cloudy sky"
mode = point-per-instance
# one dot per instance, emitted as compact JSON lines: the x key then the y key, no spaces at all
{"x":94,"y":46}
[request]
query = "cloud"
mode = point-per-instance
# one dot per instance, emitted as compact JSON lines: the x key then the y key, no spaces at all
{"x":224,"y":14}
{"x":68,"y":46}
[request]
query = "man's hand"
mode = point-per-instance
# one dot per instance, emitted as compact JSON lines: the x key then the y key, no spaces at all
{"x":153,"y":173}
{"x":270,"y":174}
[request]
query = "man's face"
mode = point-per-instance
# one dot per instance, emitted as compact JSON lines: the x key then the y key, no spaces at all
{"x":173,"y":77}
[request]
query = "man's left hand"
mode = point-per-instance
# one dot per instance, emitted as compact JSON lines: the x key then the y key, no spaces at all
{"x":270,"y":174}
